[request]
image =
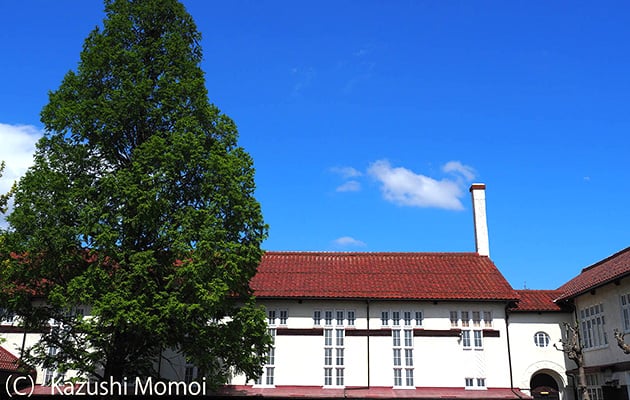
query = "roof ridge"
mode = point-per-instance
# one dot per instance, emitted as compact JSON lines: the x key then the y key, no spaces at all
{"x":331,"y":252}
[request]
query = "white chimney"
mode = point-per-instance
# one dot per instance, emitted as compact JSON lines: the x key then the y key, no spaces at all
{"x":478,"y":192}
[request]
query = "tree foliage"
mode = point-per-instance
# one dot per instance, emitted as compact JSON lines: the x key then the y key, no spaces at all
{"x":140,"y":207}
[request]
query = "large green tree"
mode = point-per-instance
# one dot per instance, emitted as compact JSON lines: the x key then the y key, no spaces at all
{"x":139,"y":207}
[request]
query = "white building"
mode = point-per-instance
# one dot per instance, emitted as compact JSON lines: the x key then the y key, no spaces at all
{"x":386,"y":325}
{"x":600,"y":297}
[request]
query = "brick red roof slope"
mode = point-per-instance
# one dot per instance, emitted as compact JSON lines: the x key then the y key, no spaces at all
{"x":598,"y":274}
{"x":8,"y":362}
{"x":422,"y":276}
{"x":537,"y":301}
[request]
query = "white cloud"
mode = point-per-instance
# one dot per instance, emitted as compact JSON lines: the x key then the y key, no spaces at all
{"x":350,"y":186}
{"x":457,"y":167}
{"x":346,"y":172}
{"x":347,"y":241}
{"x":18,"y":146}
{"x":404,"y":187}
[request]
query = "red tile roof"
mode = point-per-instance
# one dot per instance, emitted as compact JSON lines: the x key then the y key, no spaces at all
{"x":420,"y":276}
{"x":371,"y":393}
{"x":603,"y":272}
{"x":537,"y":301}
{"x":8,"y":362}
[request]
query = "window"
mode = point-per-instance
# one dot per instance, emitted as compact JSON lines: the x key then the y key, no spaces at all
{"x":269,"y":369}
{"x":593,"y":326}
{"x":466,"y":339}
{"x":340,"y":335}
{"x":396,"y":338}
{"x":328,"y":315}
{"x":284,"y":315}
{"x":541,"y":339}
{"x":340,"y":317}
{"x":351,"y":318}
{"x":334,"y":341}
{"x":395,"y":318}
{"x":339,"y":376}
{"x":625,"y":311}
{"x":339,"y":357}
{"x":407,"y":318}
{"x":317,"y":317}
{"x":478,"y":339}
{"x":419,"y":318}
{"x":328,"y":376}
{"x":409,"y":377}
{"x":400,"y":348}
{"x":594,"y":386}
{"x":270,"y":372}
{"x":476,"y":319}
{"x":487,"y":319}
{"x":397,"y":357}
{"x":454,"y":320}
{"x":471,"y":323}
{"x":328,"y":337}
{"x":397,"y":377}
{"x":408,"y":338}
{"x":475,"y":383}
{"x":189,"y":373}
{"x":271,"y":317}
{"x":384,"y":318}
{"x":465,"y":319}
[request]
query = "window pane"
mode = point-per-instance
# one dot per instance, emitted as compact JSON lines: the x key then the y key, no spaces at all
{"x":419,"y":318}
{"x":317,"y":317}
{"x":351,"y":318}
{"x":453,"y":316}
{"x":339,"y":317}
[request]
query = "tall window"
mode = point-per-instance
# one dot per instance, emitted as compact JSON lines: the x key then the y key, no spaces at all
{"x":402,"y":344}
{"x":189,"y":373}
{"x":625,"y":311}
{"x":593,"y":324}
{"x":268,"y":376}
{"x":334,"y":345}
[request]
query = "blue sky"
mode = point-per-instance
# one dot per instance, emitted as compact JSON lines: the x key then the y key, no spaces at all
{"x":369,"y":120}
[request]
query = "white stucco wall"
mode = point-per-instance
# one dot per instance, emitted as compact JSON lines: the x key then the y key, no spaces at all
{"x":528,"y":358}
{"x":609,"y":297}
{"x":439,"y":361}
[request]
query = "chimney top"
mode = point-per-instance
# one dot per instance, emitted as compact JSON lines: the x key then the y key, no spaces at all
{"x":482,"y":244}
{"x":477,"y":186}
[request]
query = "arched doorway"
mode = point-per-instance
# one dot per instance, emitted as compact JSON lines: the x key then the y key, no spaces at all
{"x":544,"y":386}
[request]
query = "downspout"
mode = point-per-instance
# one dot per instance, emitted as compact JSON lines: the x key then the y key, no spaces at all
{"x":509,"y":352}
{"x":368,"y":342}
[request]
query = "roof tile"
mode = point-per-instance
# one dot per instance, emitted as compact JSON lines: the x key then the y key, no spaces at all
{"x":426,"y":276}
{"x":598,"y":274}
{"x":537,"y":300}
{"x":8,"y":362}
